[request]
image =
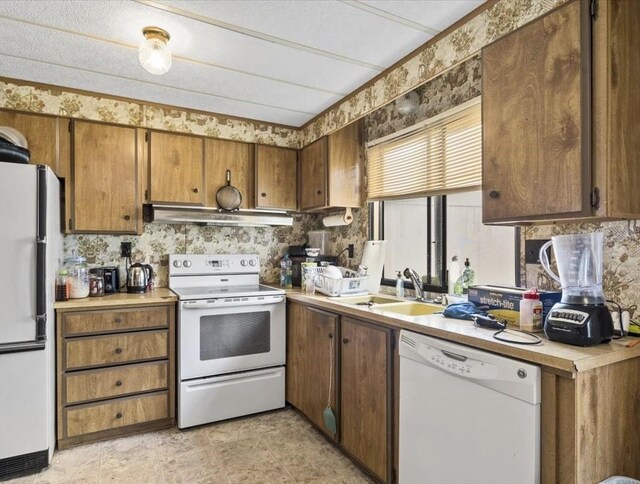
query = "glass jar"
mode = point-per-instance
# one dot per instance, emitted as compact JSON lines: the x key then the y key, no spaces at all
{"x":62,"y":285}
{"x":78,"y":276}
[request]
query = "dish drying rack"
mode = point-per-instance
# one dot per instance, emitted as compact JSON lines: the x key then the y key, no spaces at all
{"x":350,"y":283}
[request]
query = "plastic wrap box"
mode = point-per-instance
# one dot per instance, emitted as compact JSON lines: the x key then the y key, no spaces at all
{"x":504,"y":302}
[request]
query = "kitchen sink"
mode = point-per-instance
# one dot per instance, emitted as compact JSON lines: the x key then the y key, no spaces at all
{"x":367,"y":300}
{"x":413,"y":309}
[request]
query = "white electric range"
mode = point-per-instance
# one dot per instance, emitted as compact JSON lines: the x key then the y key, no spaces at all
{"x":231,"y":338}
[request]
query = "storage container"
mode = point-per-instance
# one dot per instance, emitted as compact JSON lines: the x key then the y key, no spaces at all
{"x":320,"y":239}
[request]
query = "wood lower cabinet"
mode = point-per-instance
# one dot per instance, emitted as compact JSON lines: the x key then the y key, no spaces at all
{"x":238,"y":158}
{"x":311,"y":362}
{"x":350,"y":361}
{"x":365,"y":394}
{"x":560,"y":106}
{"x":276,"y":178}
{"x":331,"y":170}
{"x":104,"y":194}
{"x":176,"y":168}
{"x":115,"y":372}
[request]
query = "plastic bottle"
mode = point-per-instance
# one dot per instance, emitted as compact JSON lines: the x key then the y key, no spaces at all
{"x":454,"y":273}
{"x":531,"y":311}
{"x":468,"y":275}
{"x":399,"y":285}
{"x":286,"y":272}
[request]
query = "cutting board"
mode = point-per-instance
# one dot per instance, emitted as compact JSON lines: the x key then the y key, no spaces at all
{"x":373,"y":258}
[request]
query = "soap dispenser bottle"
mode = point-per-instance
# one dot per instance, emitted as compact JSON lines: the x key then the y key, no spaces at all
{"x":399,"y":285}
{"x":468,"y":276}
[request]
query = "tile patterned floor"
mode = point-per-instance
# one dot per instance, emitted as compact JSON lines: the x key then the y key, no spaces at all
{"x":275,"y":447}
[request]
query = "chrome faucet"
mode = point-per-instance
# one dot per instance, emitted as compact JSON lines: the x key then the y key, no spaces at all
{"x":417,"y":283}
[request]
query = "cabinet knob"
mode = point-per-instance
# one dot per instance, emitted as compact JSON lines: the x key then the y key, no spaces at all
{"x":330,"y":335}
{"x":195,"y":190}
{"x":118,"y":383}
{"x":118,"y":351}
{"x":494,"y":194}
{"x":118,"y":320}
{"x":127,"y":217}
{"x":345,"y":340}
{"x":319,"y":192}
{"x":119,"y":415}
{"x":263,"y":194}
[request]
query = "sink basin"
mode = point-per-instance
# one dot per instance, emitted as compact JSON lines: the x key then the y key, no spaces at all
{"x":413,"y":309}
{"x":367,"y":300}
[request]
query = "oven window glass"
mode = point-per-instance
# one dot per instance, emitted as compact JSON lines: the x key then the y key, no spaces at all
{"x":229,"y":335}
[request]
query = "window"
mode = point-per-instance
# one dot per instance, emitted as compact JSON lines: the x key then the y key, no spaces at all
{"x":424,"y":186}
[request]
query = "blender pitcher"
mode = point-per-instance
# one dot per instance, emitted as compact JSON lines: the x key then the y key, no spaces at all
{"x":580,"y":264}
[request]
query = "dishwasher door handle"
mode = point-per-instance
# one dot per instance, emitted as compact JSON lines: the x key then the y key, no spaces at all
{"x":453,"y":356}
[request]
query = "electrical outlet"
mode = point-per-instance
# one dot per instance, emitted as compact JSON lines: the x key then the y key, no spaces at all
{"x":350,"y":250}
{"x":125,"y":249}
{"x":532,"y":250}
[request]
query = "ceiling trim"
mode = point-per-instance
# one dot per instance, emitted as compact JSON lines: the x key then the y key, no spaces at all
{"x":474,"y":13}
{"x":258,"y":35}
{"x":83,"y":92}
{"x":390,"y":16}
{"x":177,"y":57}
{"x":193,"y":91}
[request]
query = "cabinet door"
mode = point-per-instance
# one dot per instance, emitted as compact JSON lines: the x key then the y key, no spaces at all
{"x":535,"y":119}
{"x":313,"y":175}
{"x":311,"y":361}
{"x":276,"y":176}
{"x":104,"y":178}
{"x":365,"y":394}
{"x":345,"y":167}
{"x":47,"y":141}
{"x":220,"y":156}
{"x":176,"y":166}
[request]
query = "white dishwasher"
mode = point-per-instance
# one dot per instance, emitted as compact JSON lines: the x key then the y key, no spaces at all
{"x":466,"y":416}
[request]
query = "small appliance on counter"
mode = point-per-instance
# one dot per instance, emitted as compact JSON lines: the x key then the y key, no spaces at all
{"x":581,"y":317}
{"x":139,"y":277}
{"x":297,"y":254}
{"x":111,"y":279}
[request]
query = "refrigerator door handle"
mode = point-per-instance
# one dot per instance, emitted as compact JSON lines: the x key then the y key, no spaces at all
{"x":41,"y":257}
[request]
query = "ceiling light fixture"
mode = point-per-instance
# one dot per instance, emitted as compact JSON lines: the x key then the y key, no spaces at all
{"x":154,"y":55}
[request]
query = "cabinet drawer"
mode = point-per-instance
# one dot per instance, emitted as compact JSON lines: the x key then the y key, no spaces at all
{"x":86,"y":322}
{"x":83,"y":386}
{"x":120,"y":348}
{"x":113,"y":414}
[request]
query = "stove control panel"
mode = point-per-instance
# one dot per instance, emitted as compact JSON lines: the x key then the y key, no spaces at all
{"x":209,"y":264}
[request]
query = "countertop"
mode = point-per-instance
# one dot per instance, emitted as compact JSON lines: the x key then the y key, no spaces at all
{"x":558,"y":356}
{"x":161,"y":295}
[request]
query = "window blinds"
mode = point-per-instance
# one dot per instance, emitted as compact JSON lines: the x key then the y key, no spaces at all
{"x":441,"y":155}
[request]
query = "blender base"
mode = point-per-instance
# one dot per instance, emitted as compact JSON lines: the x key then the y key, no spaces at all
{"x":579,"y":324}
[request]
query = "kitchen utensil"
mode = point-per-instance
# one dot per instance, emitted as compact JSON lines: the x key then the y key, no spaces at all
{"x":229,"y":197}
{"x":581,"y":317}
{"x":373,"y":258}
{"x":633,"y":343}
{"x":328,"y":416}
{"x":138,"y":278}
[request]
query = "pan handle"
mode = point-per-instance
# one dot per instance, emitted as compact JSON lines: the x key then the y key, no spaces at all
{"x":228,"y":178}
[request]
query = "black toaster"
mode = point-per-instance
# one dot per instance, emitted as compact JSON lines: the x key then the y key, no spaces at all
{"x":111,"y":279}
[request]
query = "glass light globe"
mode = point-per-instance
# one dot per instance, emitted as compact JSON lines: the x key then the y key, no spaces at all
{"x":155,"y":56}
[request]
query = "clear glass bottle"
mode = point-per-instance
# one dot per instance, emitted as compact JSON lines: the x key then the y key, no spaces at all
{"x":286,"y":272}
{"x":78,"y":273}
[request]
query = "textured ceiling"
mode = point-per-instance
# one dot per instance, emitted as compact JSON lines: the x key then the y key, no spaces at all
{"x":272,"y":60}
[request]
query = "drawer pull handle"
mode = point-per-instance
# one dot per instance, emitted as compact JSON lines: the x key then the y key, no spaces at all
{"x":118,"y":320}
{"x":118,"y":383}
{"x":345,"y":340}
{"x":263,"y":194}
{"x":195,"y":190}
{"x":494,"y":194}
{"x":127,"y":217}
{"x":118,"y":351}
{"x":319,"y":192}
{"x":119,"y":415}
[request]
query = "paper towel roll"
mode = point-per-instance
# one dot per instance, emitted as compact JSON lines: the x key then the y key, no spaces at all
{"x":337,"y":220}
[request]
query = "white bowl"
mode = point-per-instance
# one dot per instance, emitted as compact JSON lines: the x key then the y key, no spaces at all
{"x":312,"y":252}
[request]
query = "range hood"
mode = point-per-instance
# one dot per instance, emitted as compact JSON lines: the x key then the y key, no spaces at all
{"x":176,"y":214}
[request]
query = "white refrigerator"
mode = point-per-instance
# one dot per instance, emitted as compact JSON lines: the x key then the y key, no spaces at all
{"x":30,"y":250}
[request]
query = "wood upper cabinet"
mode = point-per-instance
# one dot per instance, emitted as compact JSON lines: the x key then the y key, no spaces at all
{"x":104,"y":182}
{"x":176,"y":169}
{"x":365,"y":394}
{"x":47,"y":136}
{"x":331,"y":170}
{"x":560,"y":104}
{"x":222,"y":155}
{"x":276,"y":175}
{"x":311,"y":361}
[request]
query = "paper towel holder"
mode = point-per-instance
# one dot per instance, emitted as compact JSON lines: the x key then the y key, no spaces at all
{"x":338,"y":220}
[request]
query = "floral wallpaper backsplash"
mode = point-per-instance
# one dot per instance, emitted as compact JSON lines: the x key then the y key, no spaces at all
{"x":159,"y":240}
{"x":621,"y":279}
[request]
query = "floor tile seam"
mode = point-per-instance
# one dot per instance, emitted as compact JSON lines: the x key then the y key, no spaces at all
{"x":212,"y":446}
{"x":277,"y":458}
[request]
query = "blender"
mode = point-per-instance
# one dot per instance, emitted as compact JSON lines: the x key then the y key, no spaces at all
{"x":581,"y":317}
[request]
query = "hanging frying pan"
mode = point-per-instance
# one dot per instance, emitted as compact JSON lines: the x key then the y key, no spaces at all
{"x":228,"y":197}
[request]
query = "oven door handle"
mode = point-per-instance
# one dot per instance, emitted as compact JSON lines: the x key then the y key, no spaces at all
{"x":223,"y":303}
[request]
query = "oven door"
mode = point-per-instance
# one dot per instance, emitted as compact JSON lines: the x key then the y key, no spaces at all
{"x":220,"y":336}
